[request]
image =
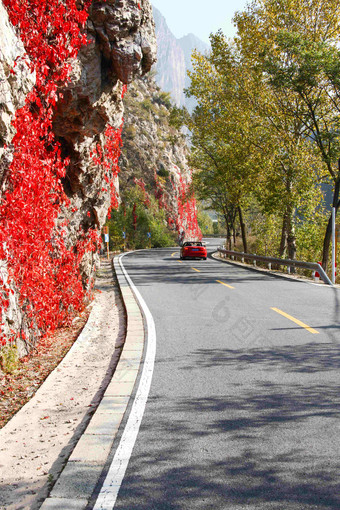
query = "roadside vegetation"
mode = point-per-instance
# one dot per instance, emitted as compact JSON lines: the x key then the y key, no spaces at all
{"x":265,"y":134}
{"x":139,"y":222}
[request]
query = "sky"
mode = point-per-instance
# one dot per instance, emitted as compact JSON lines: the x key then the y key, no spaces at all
{"x":200,"y":17}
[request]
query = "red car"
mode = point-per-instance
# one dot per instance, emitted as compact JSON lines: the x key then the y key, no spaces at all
{"x":194,"y":249}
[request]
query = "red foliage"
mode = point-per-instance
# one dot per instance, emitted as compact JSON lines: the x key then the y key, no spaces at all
{"x":44,"y":270}
{"x":186,"y":220}
{"x":141,"y":184}
{"x":124,"y":89}
{"x":107,"y":157}
{"x":159,"y":192}
{"x":134,"y":217}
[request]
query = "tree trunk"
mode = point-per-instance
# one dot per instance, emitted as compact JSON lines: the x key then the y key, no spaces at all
{"x":328,"y":234}
{"x":291,"y":242}
{"x":233,"y":213}
{"x":228,"y":238}
{"x":230,"y":227}
{"x":291,"y":238}
{"x":243,"y":230}
{"x":284,"y":235}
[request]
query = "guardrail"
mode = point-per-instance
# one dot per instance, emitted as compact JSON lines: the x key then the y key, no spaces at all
{"x":313,"y":266}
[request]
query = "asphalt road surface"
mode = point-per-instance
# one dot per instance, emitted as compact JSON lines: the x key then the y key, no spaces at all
{"x":244,"y":406}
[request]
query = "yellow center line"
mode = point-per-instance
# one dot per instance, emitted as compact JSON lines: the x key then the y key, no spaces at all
{"x":225,"y":284}
{"x":299,"y":323}
{"x":174,"y":253}
{"x":194,"y":268}
{"x":180,"y":261}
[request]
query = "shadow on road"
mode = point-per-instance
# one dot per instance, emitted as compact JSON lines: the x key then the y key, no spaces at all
{"x":150,"y":274}
{"x":307,"y":358}
{"x":239,"y":462}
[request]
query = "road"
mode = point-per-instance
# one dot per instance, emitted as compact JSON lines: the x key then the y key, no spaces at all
{"x":244,"y":406}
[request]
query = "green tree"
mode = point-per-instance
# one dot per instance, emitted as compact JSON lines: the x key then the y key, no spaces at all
{"x":244,"y":143}
{"x":295,"y":45}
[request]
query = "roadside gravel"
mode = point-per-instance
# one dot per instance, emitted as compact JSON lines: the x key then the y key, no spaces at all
{"x":36,"y":443}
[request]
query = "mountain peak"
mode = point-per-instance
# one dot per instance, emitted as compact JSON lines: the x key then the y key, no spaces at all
{"x":174,"y":59}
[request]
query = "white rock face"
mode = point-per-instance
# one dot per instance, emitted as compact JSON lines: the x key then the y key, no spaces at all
{"x":15,"y":82}
{"x":170,"y":61}
{"x":174,"y":60}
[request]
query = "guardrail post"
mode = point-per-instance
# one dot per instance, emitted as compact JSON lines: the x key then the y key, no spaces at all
{"x":242,"y":260}
{"x":270,"y":266}
{"x":288,"y":269}
{"x":254,"y":263}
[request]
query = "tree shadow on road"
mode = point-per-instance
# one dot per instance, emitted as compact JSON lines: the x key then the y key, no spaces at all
{"x":231,"y":453}
{"x":306,"y":358}
{"x":264,"y":443}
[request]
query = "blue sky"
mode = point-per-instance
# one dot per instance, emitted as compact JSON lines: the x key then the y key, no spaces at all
{"x":200,"y":17}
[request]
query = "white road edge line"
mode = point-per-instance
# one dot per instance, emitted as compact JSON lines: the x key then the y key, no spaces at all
{"x":108,"y":494}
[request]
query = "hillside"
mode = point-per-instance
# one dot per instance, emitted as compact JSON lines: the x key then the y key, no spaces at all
{"x":154,"y":156}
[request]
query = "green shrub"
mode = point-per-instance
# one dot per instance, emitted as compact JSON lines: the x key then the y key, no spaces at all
{"x":130,"y":131}
{"x":163,"y":172}
{"x":150,"y":219}
{"x":9,"y":359}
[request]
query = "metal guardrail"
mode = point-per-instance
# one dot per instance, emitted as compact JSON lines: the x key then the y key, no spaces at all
{"x":313,"y":266}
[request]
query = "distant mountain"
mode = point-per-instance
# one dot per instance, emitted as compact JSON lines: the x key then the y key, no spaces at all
{"x":174,"y":59}
{"x":189,"y":43}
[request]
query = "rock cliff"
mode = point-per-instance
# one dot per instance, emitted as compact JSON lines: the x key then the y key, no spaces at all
{"x":13,"y":87}
{"x":170,"y":65}
{"x":120,"y":46}
{"x":156,"y":154}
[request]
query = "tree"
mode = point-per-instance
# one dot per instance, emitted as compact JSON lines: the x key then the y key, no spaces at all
{"x":245,"y":144}
{"x":294,"y":44}
{"x":225,"y":163}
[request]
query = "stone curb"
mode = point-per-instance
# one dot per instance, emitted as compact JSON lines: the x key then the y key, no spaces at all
{"x":77,"y":481}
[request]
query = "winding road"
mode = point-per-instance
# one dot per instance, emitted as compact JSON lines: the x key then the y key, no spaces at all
{"x":244,"y":406}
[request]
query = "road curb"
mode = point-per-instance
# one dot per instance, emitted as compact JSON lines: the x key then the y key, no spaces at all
{"x":78,"y":480}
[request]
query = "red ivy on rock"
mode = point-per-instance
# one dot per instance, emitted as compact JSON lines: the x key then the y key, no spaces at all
{"x":107,"y":157}
{"x":186,"y":220}
{"x":141,"y":184}
{"x":184,"y":217}
{"x":43,"y":268}
{"x":134,"y":217}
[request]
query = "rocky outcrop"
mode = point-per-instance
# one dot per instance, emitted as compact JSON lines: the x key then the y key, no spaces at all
{"x":170,"y":67}
{"x":189,"y":43}
{"x":156,"y":154}
{"x":121,"y":45}
{"x":15,"y":82}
